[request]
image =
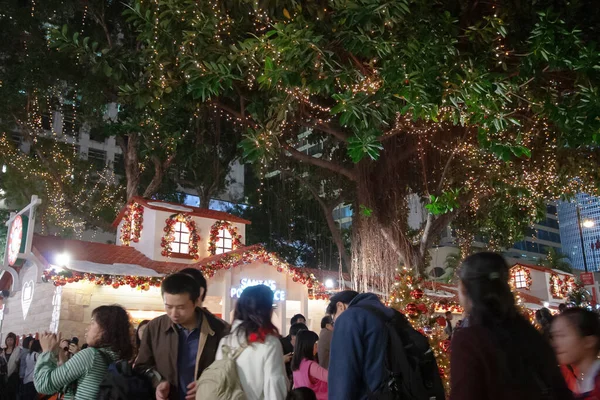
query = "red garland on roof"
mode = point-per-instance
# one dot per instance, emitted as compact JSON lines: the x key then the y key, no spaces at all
{"x":316,"y":290}
{"x":236,"y":238}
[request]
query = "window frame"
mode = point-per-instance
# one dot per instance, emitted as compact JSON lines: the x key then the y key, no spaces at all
{"x":220,"y":246}
{"x":179,"y":229}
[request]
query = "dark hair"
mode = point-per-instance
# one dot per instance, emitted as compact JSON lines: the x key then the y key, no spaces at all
{"x":254,"y":309}
{"x":297,"y":327}
{"x":84,"y":346}
{"x":326,"y":320}
{"x":544,"y":317}
{"x":304,"y":348}
{"x":13,"y":336}
{"x":345,"y":297}
{"x":586,"y":322}
{"x":562,"y":307}
{"x":448,"y":313}
{"x":296,"y":317}
{"x":180,"y":283}
{"x":198,"y":277}
{"x":116,"y":330}
{"x":485,"y":276}
{"x":138,"y":341}
{"x":301,"y":393}
{"x":36,"y":346}
{"x":27,"y":342}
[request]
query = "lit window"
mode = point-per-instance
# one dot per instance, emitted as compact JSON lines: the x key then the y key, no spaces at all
{"x":181,"y":244}
{"x":520,"y":280}
{"x":224,"y":242}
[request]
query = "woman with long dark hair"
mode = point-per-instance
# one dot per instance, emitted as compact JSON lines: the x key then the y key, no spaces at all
{"x":254,"y":340}
{"x":109,"y":338}
{"x":307,"y":372}
{"x":12,"y":359}
{"x":500,"y":355}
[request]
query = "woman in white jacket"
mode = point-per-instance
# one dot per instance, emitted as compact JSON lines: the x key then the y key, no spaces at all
{"x":260,"y":366}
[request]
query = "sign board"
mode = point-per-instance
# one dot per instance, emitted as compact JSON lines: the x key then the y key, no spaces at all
{"x":587,"y":278}
{"x":15,"y":238}
{"x":278,"y":295}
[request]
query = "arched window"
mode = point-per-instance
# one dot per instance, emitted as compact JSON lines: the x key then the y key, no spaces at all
{"x":520,"y":279}
{"x":224,"y":241}
{"x":181,"y":244}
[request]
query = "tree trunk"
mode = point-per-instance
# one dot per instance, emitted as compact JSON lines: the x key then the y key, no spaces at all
{"x":160,"y":169}
{"x":129,"y":148}
{"x":204,"y":198}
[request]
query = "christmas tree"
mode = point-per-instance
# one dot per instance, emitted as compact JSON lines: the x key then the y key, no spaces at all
{"x":409,"y":298}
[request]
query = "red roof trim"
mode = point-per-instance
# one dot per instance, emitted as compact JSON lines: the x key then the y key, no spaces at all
{"x":196,"y":211}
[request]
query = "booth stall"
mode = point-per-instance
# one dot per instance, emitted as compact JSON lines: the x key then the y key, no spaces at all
{"x":57,"y":282}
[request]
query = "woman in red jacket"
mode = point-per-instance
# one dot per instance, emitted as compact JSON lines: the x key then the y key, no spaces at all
{"x":576,"y":340}
{"x":500,"y":355}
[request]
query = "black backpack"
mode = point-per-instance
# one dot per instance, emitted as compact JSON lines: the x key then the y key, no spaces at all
{"x":412,"y":372}
{"x":121,"y":382}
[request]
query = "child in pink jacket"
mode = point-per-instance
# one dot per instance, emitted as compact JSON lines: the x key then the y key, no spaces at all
{"x":307,"y":372}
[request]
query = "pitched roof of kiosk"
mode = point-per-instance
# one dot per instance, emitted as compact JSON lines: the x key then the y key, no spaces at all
{"x":100,"y":253}
{"x":182,"y":208}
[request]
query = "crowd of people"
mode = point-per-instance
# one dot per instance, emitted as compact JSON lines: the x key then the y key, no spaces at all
{"x":189,"y":353}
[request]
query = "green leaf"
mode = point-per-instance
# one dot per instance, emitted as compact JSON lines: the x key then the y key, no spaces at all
{"x":365,"y":211}
{"x":361,"y":146}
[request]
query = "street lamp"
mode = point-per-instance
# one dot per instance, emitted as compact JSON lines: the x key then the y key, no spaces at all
{"x":586,"y":224}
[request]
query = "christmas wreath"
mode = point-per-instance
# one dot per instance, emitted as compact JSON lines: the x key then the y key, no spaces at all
{"x":131,"y":230}
{"x":169,"y":237}
{"x":236,"y":238}
{"x":559,"y":288}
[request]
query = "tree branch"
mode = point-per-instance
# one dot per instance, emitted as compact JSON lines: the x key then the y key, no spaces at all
{"x":338,"y":134}
{"x":328,"y":211}
{"x":319,"y":162}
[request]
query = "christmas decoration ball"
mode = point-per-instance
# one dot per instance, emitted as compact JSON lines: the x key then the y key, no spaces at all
{"x":411,"y":308}
{"x":427,"y":329}
{"x":417,"y":294}
{"x":98,"y":282}
{"x":115,"y":285}
{"x":442,"y":372}
{"x":422,"y":308}
{"x":445,"y":345}
{"x":133,"y":284}
{"x":441,"y":321}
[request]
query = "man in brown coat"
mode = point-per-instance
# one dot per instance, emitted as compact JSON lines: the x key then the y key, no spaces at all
{"x":178,"y":346}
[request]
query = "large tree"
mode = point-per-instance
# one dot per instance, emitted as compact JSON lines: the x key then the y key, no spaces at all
{"x":482,"y":109}
{"x":78,"y":62}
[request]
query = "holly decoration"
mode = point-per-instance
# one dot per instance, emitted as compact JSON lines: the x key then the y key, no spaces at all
{"x":560,"y":287}
{"x":169,"y":236}
{"x":131,"y":229}
{"x":116,"y":281}
{"x":236,"y":238}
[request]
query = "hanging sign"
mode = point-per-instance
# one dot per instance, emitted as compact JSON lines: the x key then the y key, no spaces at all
{"x":15,"y":238}
{"x":278,"y":294}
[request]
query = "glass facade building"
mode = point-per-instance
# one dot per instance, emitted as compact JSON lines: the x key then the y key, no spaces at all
{"x":589,"y":208}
